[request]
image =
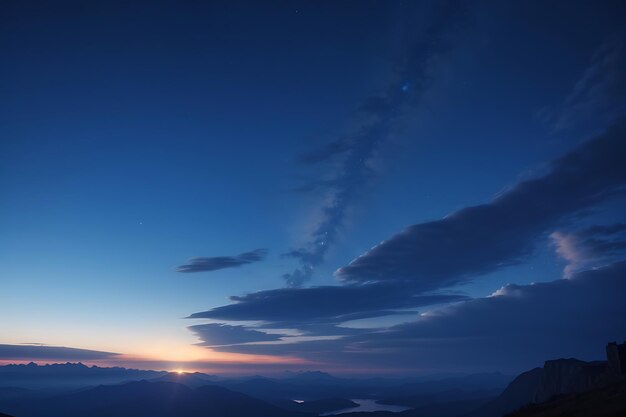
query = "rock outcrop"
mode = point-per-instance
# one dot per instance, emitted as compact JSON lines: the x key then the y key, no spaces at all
{"x":557,"y":378}
{"x":568,"y":376}
{"x":604,"y":402}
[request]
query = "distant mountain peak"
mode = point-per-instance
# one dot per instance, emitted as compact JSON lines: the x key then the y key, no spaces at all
{"x":312,"y":375}
{"x":160,"y":398}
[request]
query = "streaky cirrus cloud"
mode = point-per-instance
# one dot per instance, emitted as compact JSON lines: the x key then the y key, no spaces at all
{"x":412,"y":269}
{"x":215,"y":263}
{"x":599,"y":96}
{"x":602,"y":230}
{"x":482,"y":239}
{"x":517,"y":327}
{"x":53,"y":353}
{"x":353,"y":154}
{"x":296,"y":307}
{"x":216,"y":334}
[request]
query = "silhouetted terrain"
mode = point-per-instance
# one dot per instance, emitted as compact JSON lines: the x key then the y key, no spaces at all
{"x":557,"y":377}
{"x":192,"y":380}
{"x":607,"y":402}
{"x":444,"y":409}
{"x":67,"y":390}
{"x":318,"y":406}
{"x":470,"y":386}
{"x":301,"y":386}
{"x":154,"y":399}
{"x":58,"y":391}
{"x":477,"y":388}
{"x":453,"y":408}
{"x":15,"y":393}
{"x":68,"y":375}
{"x":421,"y":399}
{"x":314,"y":386}
{"x":518,"y":393}
{"x":268,"y":389}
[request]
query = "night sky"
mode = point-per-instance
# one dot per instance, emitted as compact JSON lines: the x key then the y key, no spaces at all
{"x":371,"y":187}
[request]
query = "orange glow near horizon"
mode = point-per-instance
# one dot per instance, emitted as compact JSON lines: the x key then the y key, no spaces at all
{"x":207,"y":355}
{"x":213,"y":363}
{"x":178,"y":358}
{"x":193,"y":358}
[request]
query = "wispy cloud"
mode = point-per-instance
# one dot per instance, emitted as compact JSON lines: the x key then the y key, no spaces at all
{"x":412,"y":269}
{"x":517,"y":328}
{"x":599,"y":95}
{"x":294,"y":307}
{"x":482,"y":239}
{"x":215,"y":334}
{"x":53,"y":353}
{"x":221,"y":262}
{"x":353,"y":155}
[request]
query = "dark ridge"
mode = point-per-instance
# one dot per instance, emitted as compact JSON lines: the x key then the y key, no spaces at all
{"x":606,"y":402}
{"x":154,"y":399}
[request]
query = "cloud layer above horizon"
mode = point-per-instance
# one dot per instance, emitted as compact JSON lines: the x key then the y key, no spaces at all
{"x":482,"y":239}
{"x":516,"y":328}
{"x":51,"y":353}
{"x":377,"y":187}
{"x":422,"y":265}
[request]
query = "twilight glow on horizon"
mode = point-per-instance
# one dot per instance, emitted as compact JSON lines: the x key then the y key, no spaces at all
{"x":375,"y":187}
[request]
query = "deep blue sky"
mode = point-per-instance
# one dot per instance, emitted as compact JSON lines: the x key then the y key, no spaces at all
{"x":289,"y":138}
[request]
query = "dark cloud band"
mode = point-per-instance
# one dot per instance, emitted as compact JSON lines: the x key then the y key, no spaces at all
{"x":222,"y":262}
{"x":326,"y":304}
{"x":214,"y":334}
{"x":411,"y":269}
{"x":481,"y":239}
{"x":517,"y":328}
{"x":54,"y":353}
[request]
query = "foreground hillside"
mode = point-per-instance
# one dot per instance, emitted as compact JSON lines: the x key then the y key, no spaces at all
{"x":557,"y":378}
{"x":571,"y":388}
{"x":607,"y":402}
{"x":154,"y":399}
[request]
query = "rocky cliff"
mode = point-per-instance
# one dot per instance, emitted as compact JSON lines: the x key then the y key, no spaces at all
{"x":556,"y":378}
{"x":604,"y":402}
{"x":568,"y":376}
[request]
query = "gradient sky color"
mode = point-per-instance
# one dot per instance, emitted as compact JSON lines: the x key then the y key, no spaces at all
{"x":137,"y":136}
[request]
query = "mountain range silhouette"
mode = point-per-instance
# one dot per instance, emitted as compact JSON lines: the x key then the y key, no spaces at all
{"x":560,"y":385}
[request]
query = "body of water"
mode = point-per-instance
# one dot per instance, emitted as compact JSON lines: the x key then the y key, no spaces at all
{"x":368,"y":405}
